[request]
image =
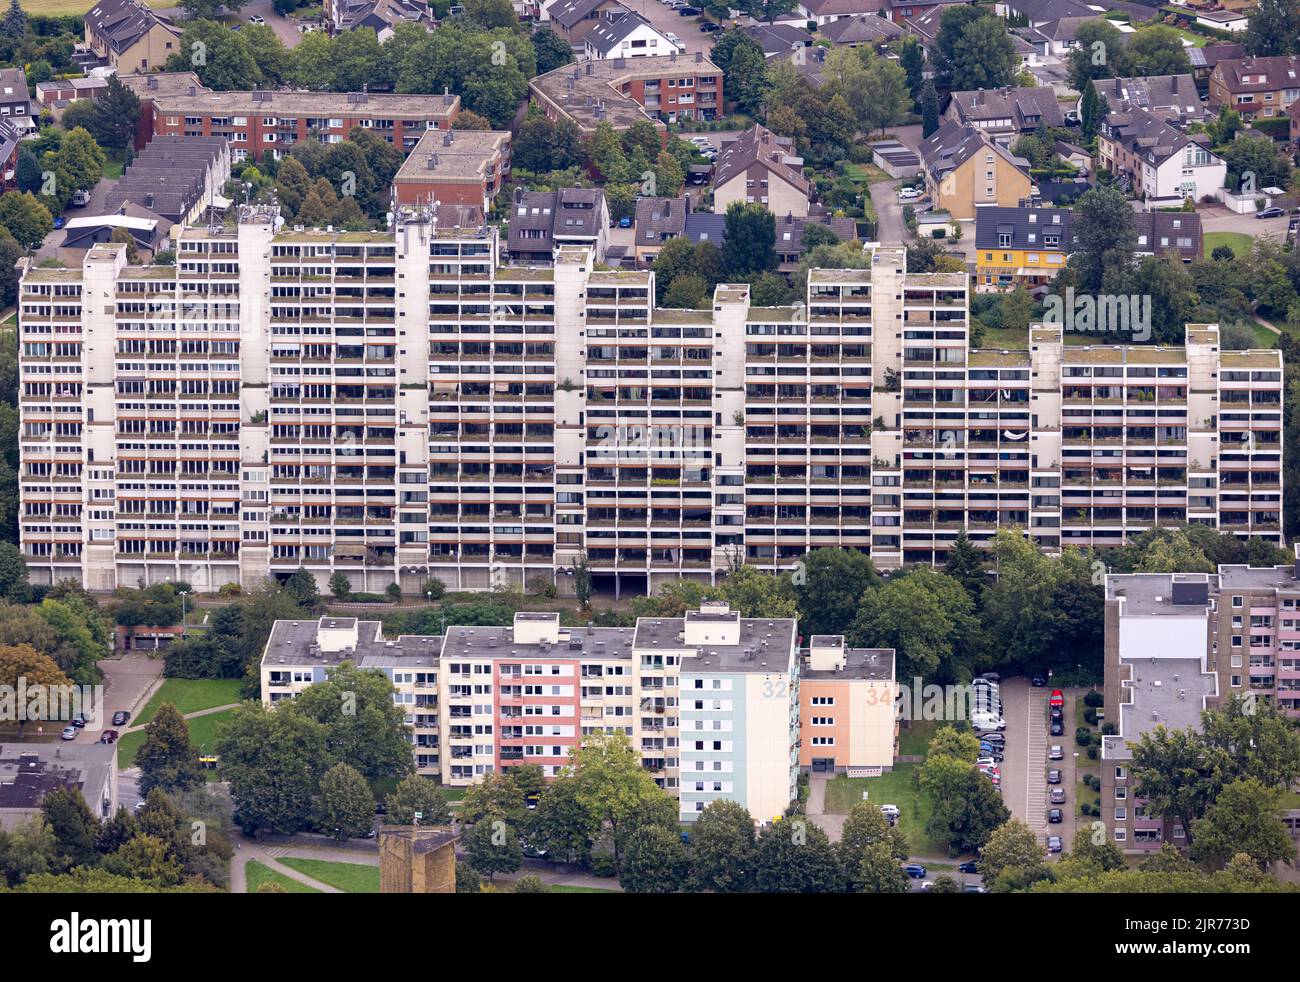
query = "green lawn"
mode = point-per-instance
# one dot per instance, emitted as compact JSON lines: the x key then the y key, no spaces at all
{"x":259,"y":873}
{"x":203,"y":734}
{"x":865,"y":173}
{"x":190,"y":696}
{"x":1239,"y":242}
{"x":914,"y":739}
{"x":348,"y":877}
{"x":556,"y":889}
{"x":892,"y":788}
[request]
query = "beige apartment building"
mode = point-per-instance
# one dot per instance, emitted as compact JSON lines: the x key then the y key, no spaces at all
{"x":397,"y":406}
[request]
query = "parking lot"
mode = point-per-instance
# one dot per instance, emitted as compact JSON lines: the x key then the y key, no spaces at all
{"x":667,"y":20}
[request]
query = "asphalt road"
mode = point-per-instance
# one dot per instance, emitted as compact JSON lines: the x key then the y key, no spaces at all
{"x":892,"y":231}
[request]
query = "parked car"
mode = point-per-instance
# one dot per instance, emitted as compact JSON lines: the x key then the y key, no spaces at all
{"x":1053,"y":843}
{"x":1053,"y":776}
{"x":1057,"y":699}
{"x":915,"y":870}
{"x":990,"y":676}
{"x":1072,"y":118}
{"x":69,"y":733}
{"x":1038,"y":681}
{"x":677,"y":42}
{"x":908,"y":194}
{"x":973,"y":888}
{"x":708,"y":27}
{"x":970,"y":866}
{"x":689,"y":11}
{"x":1057,"y":728}
{"x":80,"y":199}
{"x":1056,"y":796}
{"x":988,"y":723}
{"x":108,"y":736}
{"x":1054,"y":752}
{"x":120,"y":717}
{"x":1054,"y":816}
{"x":58,"y":222}
{"x":986,"y":760}
{"x":625,"y":221}
{"x":255,"y":19}
{"x":79,"y":721}
{"x":1273,"y":212}
{"x":890,"y":812}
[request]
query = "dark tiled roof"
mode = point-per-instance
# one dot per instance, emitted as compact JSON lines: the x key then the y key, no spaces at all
{"x":778,"y":38}
{"x":1169,"y":96}
{"x":566,"y":13}
{"x":1027,"y":228}
{"x":1146,"y":135}
{"x":1266,"y":74}
{"x":860,"y":30}
{"x":659,"y":219}
{"x":121,"y":23}
{"x":1160,"y":231}
{"x":759,"y":145}
{"x":169,"y":176}
{"x":702,"y":226}
{"x":1212,"y":54}
{"x":569,"y":213}
{"x":606,"y":35}
{"x":1026,"y":108}
{"x":953,"y":143}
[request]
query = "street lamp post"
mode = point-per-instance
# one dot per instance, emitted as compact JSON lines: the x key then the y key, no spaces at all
{"x":184,"y":594}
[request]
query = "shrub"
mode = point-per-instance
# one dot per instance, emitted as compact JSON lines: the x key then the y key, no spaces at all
{"x":229,"y":590}
{"x":602,"y":863}
{"x":433,"y":589}
{"x":1090,"y":716}
{"x":1092,"y":752}
{"x":1083,"y":736}
{"x":393,"y":592}
{"x":542,"y":586}
{"x":1093,"y":698}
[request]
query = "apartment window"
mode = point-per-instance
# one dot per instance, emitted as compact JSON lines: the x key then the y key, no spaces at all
{"x":1121,"y":835}
{"x":1236,"y":602}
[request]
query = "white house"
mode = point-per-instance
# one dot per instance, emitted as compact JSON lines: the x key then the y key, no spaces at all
{"x":629,"y":36}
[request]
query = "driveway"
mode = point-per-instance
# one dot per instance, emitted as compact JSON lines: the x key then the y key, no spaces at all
{"x":1216,"y":218}
{"x":98,"y":195}
{"x":892,"y":231}
{"x":665,"y":20}
{"x":129,"y":681}
{"x":284,"y":28}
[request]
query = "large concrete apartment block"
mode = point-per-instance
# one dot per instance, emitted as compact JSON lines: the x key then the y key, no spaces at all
{"x":399,"y":406}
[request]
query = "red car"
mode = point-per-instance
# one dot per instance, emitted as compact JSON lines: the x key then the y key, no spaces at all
{"x":1057,"y":700}
{"x":108,"y":736}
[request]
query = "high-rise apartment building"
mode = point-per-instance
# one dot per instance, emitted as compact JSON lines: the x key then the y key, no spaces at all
{"x":399,"y":406}
{"x":711,"y":701}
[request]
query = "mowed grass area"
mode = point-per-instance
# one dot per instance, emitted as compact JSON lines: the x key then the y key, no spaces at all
{"x":1239,"y":242}
{"x":75,"y":8}
{"x":203,"y":734}
{"x":892,"y":788}
{"x":914,"y":739}
{"x":190,"y":696}
{"x":259,"y":873}
{"x":348,"y":877}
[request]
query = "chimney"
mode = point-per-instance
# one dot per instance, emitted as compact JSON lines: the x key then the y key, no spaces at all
{"x":193,"y":91}
{"x":148,"y":200}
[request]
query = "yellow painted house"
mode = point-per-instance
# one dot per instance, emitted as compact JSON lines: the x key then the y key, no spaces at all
{"x":1015,"y":246}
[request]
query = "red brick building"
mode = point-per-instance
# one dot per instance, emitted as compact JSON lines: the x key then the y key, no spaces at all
{"x":259,"y":122}
{"x":456,"y":167}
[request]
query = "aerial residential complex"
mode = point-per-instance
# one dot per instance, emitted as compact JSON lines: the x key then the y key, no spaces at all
{"x":711,"y":700}
{"x":1179,"y":643}
{"x":396,"y":406}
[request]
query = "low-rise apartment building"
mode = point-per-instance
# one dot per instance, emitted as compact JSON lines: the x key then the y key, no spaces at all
{"x":455,"y":167}
{"x":848,"y":719}
{"x":1173,"y":98}
{"x":621,"y":91}
{"x":16,"y":101}
{"x":1256,"y":86}
{"x":260,"y":122}
{"x":1159,"y":163}
{"x":396,"y":406}
{"x":710,"y":700}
